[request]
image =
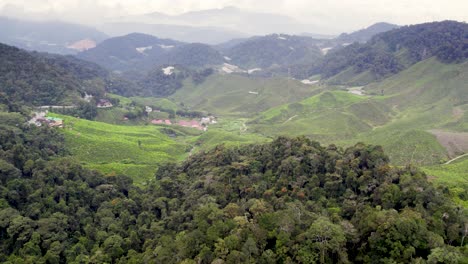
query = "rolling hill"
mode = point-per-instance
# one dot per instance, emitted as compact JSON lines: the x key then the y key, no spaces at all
{"x":428,"y":95}
{"x":141,"y":53}
{"x":393,"y":51}
{"x":132,"y":150}
{"x":131,"y":51}
{"x":274,"y":51}
{"x":236,"y":95}
{"x":32,"y":78}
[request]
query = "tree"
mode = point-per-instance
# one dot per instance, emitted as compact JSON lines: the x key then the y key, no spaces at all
{"x":327,"y":238}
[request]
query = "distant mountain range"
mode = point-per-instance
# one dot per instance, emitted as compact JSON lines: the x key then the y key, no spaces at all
{"x":53,"y":36}
{"x":275,"y":54}
{"x":227,"y":19}
{"x":141,"y":52}
{"x":186,"y":33}
{"x":141,"y":59}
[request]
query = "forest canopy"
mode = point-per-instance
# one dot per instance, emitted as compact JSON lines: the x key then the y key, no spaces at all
{"x":291,"y":200}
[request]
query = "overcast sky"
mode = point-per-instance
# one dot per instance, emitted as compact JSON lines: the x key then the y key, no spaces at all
{"x":342,"y":15}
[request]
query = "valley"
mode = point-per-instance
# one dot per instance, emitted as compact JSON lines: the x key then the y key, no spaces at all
{"x":392,"y":113}
{"x":277,"y":148}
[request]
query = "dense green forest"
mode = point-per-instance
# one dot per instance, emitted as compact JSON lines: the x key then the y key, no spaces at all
{"x":143,"y":52}
{"x":33,"y":78}
{"x":291,"y":200}
{"x":284,"y":50}
{"x":390,"y":52}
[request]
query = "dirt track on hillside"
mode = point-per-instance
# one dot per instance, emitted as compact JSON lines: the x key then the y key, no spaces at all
{"x":456,"y":143}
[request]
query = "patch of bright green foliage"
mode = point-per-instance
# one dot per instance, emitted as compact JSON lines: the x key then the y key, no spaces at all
{"x":453,"y":175}
{"x":241,"y":96}
{"x":132,"y":150}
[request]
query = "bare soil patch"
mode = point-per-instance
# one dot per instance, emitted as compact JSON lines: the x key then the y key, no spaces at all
{"x":456,"y":143}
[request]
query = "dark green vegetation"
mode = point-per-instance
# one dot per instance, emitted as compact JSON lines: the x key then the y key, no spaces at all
{"x":271,"y":50}
{"x":279,"y":200}
{"x":160,"y":84}
{"x":144,"y":52}
{"x":390,"y":52}
{"x":291,"y":200}
{"x":32,"y":78}
{"x":128,"y":52}
{"x":28,"y":77}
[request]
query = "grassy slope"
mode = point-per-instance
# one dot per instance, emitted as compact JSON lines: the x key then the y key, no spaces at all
{"x":420,"y":98}
{"x":228,"y":95}
{"x":454,"y":175}
{"x":327,"y":117}
{"x":114,"y":149}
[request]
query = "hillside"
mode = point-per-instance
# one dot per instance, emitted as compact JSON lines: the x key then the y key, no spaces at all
{"x":133,"y":51}
{"x":363,"y":35}
{"x":31,"y":78}
{"x":390,"y":52}
{"x":236,"y":95}
{"x":326,"y":116}
{"x":34,"y":79}
{"x":165,"y":80}
{"x":135,"y":151}
{"x":429,"y":95}
{"x":52,"y":36}
{"x":291,"y":200}
{"x":141,"y":53}
{"x":275,"y":51}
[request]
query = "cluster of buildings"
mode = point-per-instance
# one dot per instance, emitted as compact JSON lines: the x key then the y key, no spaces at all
{"x":41,"y":118}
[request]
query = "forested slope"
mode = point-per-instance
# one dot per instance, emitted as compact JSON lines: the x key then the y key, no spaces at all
{"x":390,"y":52}
{"x":291,"y":200}
{"x":33,"y":78}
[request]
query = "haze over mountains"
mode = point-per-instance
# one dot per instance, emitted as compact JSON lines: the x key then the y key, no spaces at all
{"x":49,"y":36}
{"x":211,"y":26}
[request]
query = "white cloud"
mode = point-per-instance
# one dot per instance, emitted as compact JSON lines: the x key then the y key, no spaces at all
{"x":341,"y":15}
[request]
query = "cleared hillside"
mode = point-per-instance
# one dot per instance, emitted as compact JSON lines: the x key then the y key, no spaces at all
{"x":429,"y":95}
{"x":131,"y":150}
{"x":236,"y":95}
